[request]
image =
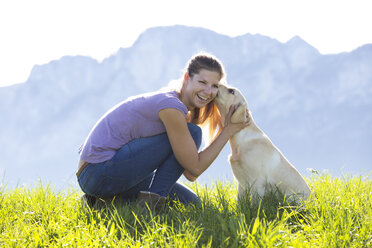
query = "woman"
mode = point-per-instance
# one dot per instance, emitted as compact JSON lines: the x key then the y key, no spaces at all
{"x":140,"y":148}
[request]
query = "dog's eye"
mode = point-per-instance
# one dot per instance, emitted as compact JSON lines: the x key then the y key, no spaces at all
{"x":231,"y":91}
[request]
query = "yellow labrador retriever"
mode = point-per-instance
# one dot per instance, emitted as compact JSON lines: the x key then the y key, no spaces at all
{"x":255,"y":161}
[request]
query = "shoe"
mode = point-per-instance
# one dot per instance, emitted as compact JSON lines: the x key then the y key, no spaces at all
{"x":88,"y":200}
{"x":92,"y":201}
{"x":151,"y":200}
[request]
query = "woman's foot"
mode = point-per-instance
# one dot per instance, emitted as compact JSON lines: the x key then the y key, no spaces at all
{"x":88,"y":200}
{"x":92,"y":201}
{"x":151,"y":200}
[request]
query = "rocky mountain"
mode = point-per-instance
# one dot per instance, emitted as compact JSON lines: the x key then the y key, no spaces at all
{"x":316,"y":108}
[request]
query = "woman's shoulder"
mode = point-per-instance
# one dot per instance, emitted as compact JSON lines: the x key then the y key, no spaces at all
{"x":165,"y":93}
{"x":156,"y":94}
{"x":160,"y":96}
{"x":154,"y":100}
{"x":169,"y":99}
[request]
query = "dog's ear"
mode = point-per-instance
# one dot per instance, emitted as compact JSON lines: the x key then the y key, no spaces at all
{"x":239,"y":116}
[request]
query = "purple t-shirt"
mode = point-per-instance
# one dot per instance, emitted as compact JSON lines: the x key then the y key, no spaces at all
{"x":133,"y":118}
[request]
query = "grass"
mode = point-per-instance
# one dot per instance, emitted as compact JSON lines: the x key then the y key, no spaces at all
{"x":341,"y":216}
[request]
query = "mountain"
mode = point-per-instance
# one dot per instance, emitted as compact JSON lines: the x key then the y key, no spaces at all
{"x":316,"y":108}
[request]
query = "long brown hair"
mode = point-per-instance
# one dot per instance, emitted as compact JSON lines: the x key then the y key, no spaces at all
{"x":207,"y":117}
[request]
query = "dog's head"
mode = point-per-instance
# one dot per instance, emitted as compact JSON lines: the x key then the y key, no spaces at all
{"x":227,"y":96}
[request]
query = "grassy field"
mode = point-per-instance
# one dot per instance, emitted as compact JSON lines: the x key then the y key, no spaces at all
{"x":341,"y":216}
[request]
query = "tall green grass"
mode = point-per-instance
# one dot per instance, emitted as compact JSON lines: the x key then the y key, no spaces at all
{"x":339,"y":215}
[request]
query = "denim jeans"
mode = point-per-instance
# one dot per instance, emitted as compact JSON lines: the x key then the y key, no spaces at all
{"x":143,"y":164}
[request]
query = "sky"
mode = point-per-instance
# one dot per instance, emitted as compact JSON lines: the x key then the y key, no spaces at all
{"x":38,"y":31}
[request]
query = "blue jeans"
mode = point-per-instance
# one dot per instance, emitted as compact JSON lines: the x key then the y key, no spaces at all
{"x":143,"y":164}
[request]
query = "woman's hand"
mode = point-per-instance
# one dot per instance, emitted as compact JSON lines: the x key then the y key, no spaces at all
{"x":233,"y":128}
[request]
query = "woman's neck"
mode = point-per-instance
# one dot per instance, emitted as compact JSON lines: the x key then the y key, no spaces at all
{"x":183,"y":99}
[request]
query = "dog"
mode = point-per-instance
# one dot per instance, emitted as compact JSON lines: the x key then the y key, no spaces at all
{"x":256,"y":162}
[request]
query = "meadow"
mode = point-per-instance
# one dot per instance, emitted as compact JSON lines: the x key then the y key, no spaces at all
{"x":339,"y":215}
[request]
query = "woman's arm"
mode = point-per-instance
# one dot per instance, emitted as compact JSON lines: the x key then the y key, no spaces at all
{"x":184,"y":147}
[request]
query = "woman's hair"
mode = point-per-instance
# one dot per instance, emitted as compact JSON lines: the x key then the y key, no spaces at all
{"x":207,"y":117}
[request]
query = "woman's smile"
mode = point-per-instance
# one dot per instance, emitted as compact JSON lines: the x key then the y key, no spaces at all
{"x":203,"y":98}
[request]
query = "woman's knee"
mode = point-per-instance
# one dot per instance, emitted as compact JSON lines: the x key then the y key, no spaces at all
{"x":196,"y":133}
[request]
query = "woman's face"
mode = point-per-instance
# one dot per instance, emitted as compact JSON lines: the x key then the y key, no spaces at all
{"x":200,"y":89}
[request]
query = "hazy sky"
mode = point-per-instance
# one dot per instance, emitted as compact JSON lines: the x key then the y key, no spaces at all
{"x":37,"y":31}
